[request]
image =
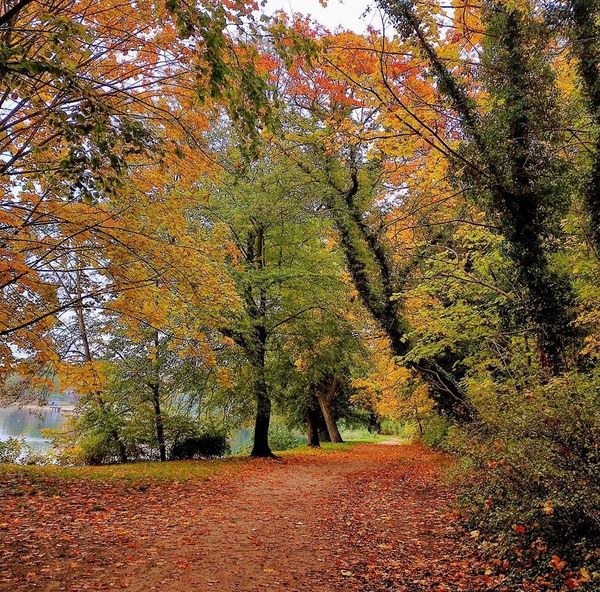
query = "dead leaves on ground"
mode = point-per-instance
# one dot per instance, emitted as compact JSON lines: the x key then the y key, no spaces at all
{"x":385,"y":524}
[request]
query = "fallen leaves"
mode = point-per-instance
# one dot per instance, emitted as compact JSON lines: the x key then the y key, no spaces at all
{"x":91,"y":527}
{"x":364,"y":519}
{"x":557,"y":563}
{"x":393,"y":529}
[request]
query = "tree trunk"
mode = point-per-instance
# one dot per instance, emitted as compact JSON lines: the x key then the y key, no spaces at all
{"x":323,"y":433}
{"x":254,"y":344}
{"x":263,"y":418}
{"x":312,"y":427}
{"x":122,"y":450}
{"x":321,"y":425}
{"x":418,"y":420}
{"x":374,"y":423}
{"x":261,"y":446}
{"x":87,"y":351}
{"x":160,"y":431}
{"x":587,"y":49}
{"x":325,"y":405}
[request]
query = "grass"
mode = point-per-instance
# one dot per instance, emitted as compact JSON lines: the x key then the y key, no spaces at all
{"x":326,"y":448}
{"x":184,"y":470}
{"x":177,"y":470}
{"x":350,"y":441}
{"x":363,"y":436}
{"x":369,"y":438}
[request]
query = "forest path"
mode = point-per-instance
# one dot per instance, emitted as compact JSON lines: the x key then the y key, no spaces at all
{"x":369,"y":519}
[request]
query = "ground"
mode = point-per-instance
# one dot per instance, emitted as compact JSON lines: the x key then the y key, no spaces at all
{"x":365,"y":518}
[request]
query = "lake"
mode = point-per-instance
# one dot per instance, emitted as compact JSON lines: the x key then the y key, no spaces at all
{"x":28,"y":422}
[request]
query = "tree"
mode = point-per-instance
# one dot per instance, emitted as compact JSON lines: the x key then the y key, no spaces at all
{"x":508,"y":167}
{"x":94,"y":95}
{"x":322,"y":355}
{"x":345,"y":152}
{"x":279,"y":263}
{"x":584,"y":45}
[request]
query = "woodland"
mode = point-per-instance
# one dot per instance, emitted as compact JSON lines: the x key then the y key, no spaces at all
{"x":214,"y":220}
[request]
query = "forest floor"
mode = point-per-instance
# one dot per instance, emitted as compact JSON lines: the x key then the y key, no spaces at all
{"x":365,"y":518}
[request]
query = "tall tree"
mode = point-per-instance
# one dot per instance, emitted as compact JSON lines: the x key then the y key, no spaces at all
{"x":508,"y":165}
{"x":279,"y":263}
{"x":343,"y":134}
{"x":583,"y":32}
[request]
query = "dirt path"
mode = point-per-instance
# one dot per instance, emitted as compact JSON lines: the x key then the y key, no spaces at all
{"x":371,"y":519}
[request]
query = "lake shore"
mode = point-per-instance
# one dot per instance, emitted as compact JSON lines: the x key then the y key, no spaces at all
{"x":33,"y":407}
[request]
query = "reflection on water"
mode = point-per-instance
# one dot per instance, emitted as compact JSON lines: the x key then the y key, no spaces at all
{"x":28,"y":423}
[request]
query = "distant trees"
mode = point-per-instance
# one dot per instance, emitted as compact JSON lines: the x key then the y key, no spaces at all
{"x":326,"y":353}
{"x":340,"y":127}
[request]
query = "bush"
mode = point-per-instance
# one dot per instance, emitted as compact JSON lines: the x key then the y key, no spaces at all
{"x":37,"y":458}
{"x":11,"y":450}
{"x":538,"y":496}
{"x":407,"y":431}
{"x":436,"y":429}
{"x":207,"y":445}
{"x":97,"y":436}
{"x":97,"y":448}
{"x":391,"y":427}
{"x":280,"y":438}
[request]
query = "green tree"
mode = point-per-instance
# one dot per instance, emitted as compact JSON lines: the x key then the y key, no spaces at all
{"x":279,"y":262}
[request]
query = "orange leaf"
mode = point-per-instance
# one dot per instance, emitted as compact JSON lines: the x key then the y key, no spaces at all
{"x":557,"y":563}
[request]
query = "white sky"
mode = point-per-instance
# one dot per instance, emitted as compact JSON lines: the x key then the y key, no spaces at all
{"x":347,"y":14}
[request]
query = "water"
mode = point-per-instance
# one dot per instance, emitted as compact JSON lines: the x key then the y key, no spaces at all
{"x":239,"y":439}
{"x":28,"y":422}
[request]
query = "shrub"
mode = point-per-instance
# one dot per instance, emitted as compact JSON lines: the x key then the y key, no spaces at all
{"x":407,"y":431}
{"x":37,"y":458}
{"x":11,"y":450}
{"x":96,"y":449}
{"x":436,"y":429}
{"x":280,"y":438}
{"x":538,"y":455}
{"x":391,"y":427}
{"x":206,"y":445}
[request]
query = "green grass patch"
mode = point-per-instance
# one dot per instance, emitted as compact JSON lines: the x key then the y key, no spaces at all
{"x":365,"y":437}
{"x":145,"y":471}
{"x":326,"y":448}
{"x":182,"y":470}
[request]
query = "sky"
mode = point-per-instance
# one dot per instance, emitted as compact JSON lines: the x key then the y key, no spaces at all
{"x":344,"y":13}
